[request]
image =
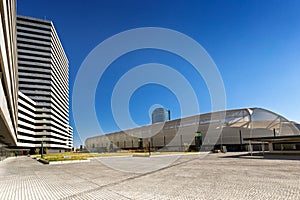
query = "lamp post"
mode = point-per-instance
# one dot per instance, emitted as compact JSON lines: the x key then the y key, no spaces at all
{"x":42,"y":147}
{"x":67,"y":143}
{"x":221,"y":136}
{"x":149,"y":148}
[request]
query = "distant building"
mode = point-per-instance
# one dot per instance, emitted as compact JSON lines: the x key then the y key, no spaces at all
{"x":43,"y":72}
{"x":160,"y":115}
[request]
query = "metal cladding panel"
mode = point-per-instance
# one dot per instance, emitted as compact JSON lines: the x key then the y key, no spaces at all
{"x":230,"y":130}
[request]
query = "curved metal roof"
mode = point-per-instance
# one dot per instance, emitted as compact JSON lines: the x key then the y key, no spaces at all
{"x":253,"y":118}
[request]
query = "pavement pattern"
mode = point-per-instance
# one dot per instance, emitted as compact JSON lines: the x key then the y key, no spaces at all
{"x":217,"y":176}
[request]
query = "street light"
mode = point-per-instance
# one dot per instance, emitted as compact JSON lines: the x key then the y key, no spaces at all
{"x":67,"y":143}
{"x":42,"y":147}
{"x":149,"y":148}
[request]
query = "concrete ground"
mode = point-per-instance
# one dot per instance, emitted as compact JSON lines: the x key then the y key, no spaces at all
{"x":217,"y":176}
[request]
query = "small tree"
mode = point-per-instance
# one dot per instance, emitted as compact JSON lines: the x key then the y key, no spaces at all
{"x":46,"y":150}
{"x":37,"y":150}
{"x":108,"y":148}
{"x":186,"y":147}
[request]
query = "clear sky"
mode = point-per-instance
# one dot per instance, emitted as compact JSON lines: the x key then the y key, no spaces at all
{"x":255,"y":45}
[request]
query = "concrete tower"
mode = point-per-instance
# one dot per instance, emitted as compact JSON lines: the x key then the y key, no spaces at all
{"x":43,"y":86}
{"x":160,"y":115}
{"x":8,"y":75}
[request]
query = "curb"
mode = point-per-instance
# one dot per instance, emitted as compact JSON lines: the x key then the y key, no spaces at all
{"x":68,"y":162}
{"x":42,"y":161}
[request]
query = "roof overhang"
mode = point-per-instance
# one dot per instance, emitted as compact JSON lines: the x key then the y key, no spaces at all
{"x":276,"y":139}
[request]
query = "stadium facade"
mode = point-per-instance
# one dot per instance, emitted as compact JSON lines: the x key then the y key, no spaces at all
{"x":201,"y":132}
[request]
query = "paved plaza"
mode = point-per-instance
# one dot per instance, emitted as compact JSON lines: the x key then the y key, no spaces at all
{"x":217,"y":176}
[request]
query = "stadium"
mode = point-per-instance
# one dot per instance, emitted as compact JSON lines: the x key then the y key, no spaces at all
{"x":235,"y":130}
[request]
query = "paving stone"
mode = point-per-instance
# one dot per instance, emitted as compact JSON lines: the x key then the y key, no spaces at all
{"x":217,"y":176}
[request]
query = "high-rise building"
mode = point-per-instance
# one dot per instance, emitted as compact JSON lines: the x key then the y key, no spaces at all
{"x":160,"y":115}
{"x":8,"y":75}
{"x":43,"y":72}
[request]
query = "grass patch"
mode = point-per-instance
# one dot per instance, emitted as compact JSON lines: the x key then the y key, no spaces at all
{"x":76,"y":156}
{"x":68,"y":156}
{"x":84,"y":156}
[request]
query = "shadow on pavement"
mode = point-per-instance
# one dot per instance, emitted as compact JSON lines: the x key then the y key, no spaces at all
{"x":267,"y":156}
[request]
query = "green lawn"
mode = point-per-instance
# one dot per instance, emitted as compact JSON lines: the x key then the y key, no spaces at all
{"x":76,"y":156}
{"x":84,"y":156}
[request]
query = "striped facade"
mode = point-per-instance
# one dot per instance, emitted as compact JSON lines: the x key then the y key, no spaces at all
{"x":43,"y":72}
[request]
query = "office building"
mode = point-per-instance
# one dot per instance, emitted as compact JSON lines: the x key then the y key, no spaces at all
{"x":43,"y":78}
{"x":160,"y":115}
{"x":8,"y":76}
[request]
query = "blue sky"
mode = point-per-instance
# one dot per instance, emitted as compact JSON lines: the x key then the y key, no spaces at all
{"x":255,"y":44}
